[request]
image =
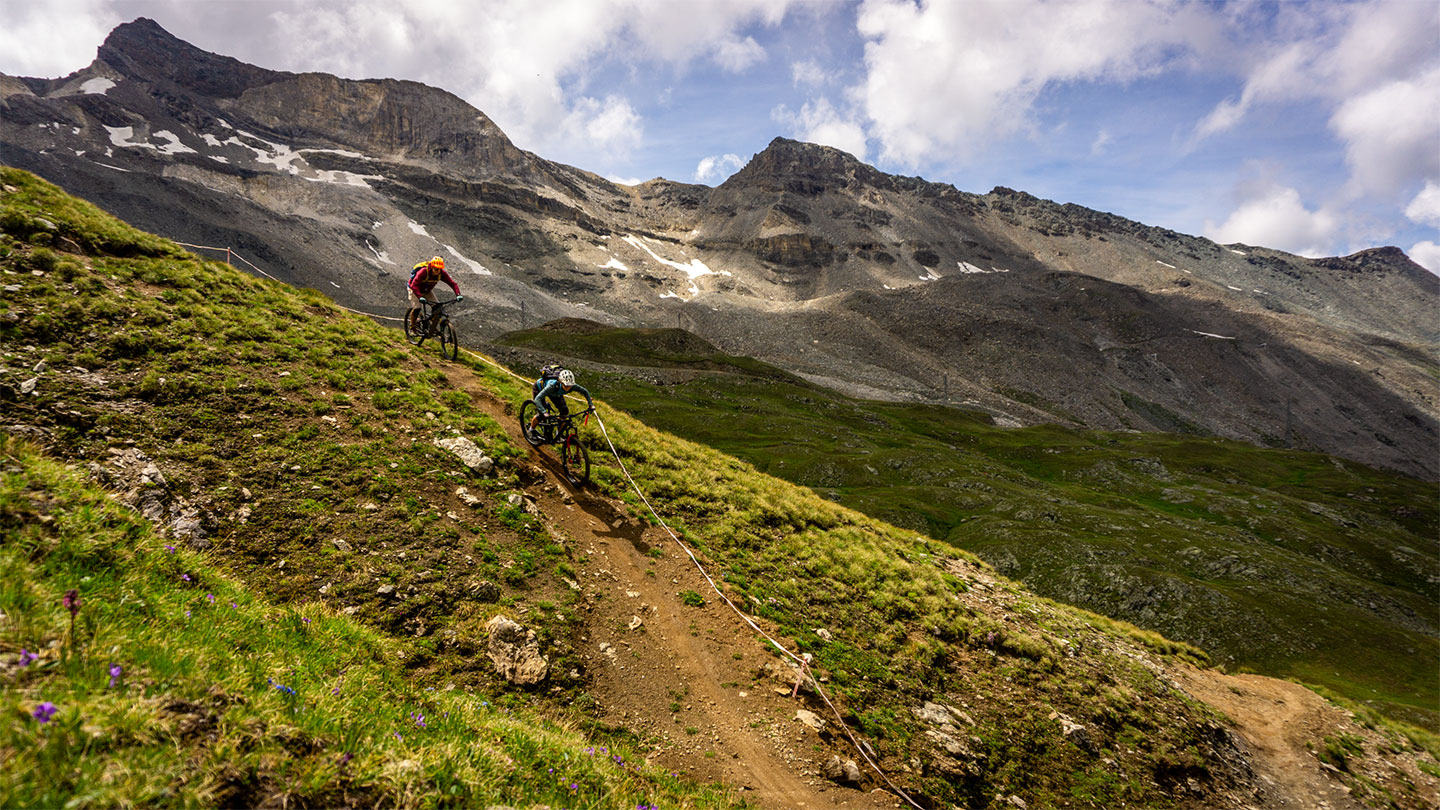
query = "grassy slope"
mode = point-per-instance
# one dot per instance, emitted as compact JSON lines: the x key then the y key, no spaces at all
{"x":228,"y":382}
{"x":1283,"y":562}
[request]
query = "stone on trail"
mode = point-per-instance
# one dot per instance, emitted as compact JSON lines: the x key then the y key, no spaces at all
{"x":468,"y":453}
{"x":515,"y":652}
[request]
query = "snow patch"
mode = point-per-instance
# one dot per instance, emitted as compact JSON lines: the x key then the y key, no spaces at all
{"x":174,"y":146}
{"x":1167,"y":264}
{"x":966,"y":267}
{"x":614,"y":264}
{"x":108,"y":166}
{"x":211,"y":140}
{"x":340,"y":152}
{"x":333,"y":284}
{"x":1212,"y":335}
{"x":694,"y":269}
{"x":417,"y":228}
{"x":218,"y":158}
{"x":476,"y":267}
{"x":96,"y":86}
{"x":1238,"y":252}
{"x":381,"y":255}
{"x":668,"y":294}
{"x":1236,"y":289}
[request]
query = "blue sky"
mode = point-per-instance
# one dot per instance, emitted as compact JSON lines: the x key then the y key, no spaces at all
{"x":1312,"y":127}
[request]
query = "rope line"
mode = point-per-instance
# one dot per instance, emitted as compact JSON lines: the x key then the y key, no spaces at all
{"x":228,"y":253}
{"x":803,"y":661}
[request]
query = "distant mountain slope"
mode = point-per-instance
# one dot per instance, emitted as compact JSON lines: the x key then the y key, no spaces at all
{"x":806,"y":258}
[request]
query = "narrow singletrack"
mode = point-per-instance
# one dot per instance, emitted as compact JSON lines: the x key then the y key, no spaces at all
{"x":687,"y":679}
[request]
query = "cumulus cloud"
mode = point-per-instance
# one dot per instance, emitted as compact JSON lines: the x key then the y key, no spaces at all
{"x":717,"y":167}
{"x":1425,"y":208}
{"x":1427,"y":255}
{"x":1392,"y":134}
{"x":1275,"y":217}
{"x":54,"y":38}
{"x":943,"y":77}
{"x":820,"y":122}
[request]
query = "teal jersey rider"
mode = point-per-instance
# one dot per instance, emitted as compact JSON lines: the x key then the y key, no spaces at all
{"x":554,"y":389}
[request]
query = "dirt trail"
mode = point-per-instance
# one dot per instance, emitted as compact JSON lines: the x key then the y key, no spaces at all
{"x":689,"y":679}
{"x":1280,"y":721}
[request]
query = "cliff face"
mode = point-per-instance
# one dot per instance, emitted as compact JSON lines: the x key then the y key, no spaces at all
{"x":806,"y":258}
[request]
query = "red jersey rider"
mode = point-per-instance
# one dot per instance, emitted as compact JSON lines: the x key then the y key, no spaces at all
{"x":423,"y":278}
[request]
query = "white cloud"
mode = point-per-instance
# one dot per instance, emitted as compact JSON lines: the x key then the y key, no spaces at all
{"x":1427,"y":255}
{"x":717,"y":167}
{"x":1392,"y":134}
{"x":736,"y":55}
{"x":53,"y":38}
{"x":1425,"y":208}
{"x":1101,"y":142}
{"x":808,"y":72}
{"x":1275,"y":217}
{"x":945,"y":77}
{"x":820,"y":122}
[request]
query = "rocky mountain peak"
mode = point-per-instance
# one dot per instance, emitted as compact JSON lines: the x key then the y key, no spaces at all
{"x":804,"y":168}
{"x":143,"y":50}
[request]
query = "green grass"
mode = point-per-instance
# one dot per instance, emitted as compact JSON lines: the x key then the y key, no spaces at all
{"x":224,"y":698}
{"x":1279,"y":561}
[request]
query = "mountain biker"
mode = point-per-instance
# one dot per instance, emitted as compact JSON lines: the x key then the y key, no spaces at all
{"x":554,"y":389}
{"x":423,"y":278}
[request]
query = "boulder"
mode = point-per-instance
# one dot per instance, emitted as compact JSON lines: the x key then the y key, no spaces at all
{"x":515,"y":652}
{"x":843,"y":771}
{"x":469,"y":454}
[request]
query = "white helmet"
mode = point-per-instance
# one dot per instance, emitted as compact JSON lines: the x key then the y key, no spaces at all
{"x":567,"y":378}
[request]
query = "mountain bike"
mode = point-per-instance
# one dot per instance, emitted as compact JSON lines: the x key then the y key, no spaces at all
{"x":430,"y":320}
{"x":559,"y":430}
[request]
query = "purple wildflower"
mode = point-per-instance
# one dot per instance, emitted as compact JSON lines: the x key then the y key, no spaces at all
{"x":185,"y":577}
{"x":211,"y":597}
{"x":72,"y":602}
{"x":115,"y":672}
{"x":345,"y":759}
{"x":235,"y":606}
{"x":169,"y":548}
{"x":27,"y":657}
{"x":45,"y":711}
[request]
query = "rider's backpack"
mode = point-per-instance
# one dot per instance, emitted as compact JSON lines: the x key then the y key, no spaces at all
{"x":551,"y":371}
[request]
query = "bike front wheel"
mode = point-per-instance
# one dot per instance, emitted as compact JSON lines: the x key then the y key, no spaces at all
{"x":575,"y":459}
{"x":414,"y":326}
{"x":449,"y":341}
{"x":527,"y":412}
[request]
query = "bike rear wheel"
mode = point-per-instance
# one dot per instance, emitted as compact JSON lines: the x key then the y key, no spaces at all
{"x":527,"y":412}
{"x":449,"y":341}
{"x":575,"y":459}
{"x":414,"y":326}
